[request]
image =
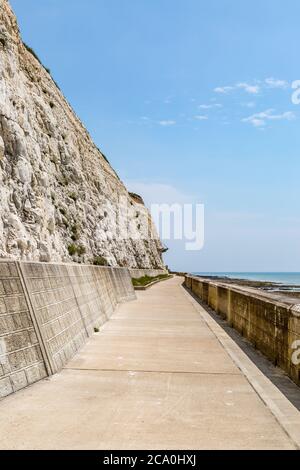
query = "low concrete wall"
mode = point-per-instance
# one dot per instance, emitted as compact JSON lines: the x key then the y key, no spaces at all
{"x":47,"y":313}
{"x":138,"y":273}
{"x":271,"y":324}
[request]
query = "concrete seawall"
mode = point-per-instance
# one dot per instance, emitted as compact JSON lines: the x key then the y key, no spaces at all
{"x":47,"y":313}
{"x":271,"y":324}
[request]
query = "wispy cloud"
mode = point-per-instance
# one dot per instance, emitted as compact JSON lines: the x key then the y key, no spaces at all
{"x":163,"y":123}
{"x":224,"y":89}
{"x":275,"y":83}
{"x":252,"y":89}
{"x":261,"y":119}
{"x":210,"y":106}
{"x":247,"y":87}
{"x":201,"y":117}
{"x":167,"y":123}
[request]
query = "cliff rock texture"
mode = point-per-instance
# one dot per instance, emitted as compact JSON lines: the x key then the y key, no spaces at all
{"x":59,"y":195}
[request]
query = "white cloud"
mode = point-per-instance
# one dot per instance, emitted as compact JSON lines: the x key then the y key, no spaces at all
{"x":201,"y":118}
{"x":167,"y":123}
{"x":274,"y":83}
{"x":255,"y":88}
{"x":255,"y":121}
{"x":163,"y":123}
{"x":224,"y":89}
{"x":210,"y":106}
{"x":288,"y":115}
{"x":261,"y":119}
{"x":252,"y":89}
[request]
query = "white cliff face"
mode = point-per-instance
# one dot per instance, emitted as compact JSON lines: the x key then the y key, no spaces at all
{"x":58,"y":194}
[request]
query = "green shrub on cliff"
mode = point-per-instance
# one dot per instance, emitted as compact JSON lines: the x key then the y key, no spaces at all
{"x":76,"y":250}
{"x":100,"y":261}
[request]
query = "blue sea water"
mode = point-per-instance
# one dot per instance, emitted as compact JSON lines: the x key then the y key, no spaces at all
{"x":291,"y":279}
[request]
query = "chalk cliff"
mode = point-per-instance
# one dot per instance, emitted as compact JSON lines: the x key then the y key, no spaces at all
{"x":59,"y":196}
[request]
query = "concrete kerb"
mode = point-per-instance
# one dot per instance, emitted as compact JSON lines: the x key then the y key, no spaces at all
{"x":283,"y":411}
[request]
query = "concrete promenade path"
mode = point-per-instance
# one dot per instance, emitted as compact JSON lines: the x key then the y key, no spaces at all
{"x":161,"y":374}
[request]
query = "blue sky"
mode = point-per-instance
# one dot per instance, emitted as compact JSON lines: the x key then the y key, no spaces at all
{"x":191,"y":102}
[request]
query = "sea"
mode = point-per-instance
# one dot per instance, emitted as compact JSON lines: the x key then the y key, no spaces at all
{"x":288,"y":279}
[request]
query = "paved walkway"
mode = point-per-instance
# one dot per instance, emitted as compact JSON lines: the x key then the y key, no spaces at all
{"x":155,"y":377}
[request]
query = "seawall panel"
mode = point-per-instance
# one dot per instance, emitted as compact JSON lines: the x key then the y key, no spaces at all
{"x":271,"y":324}
{"x":21,"y":360}
{"x":123,"y":285}
{"x":56,"y":309}
{"x":47,"y":313}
